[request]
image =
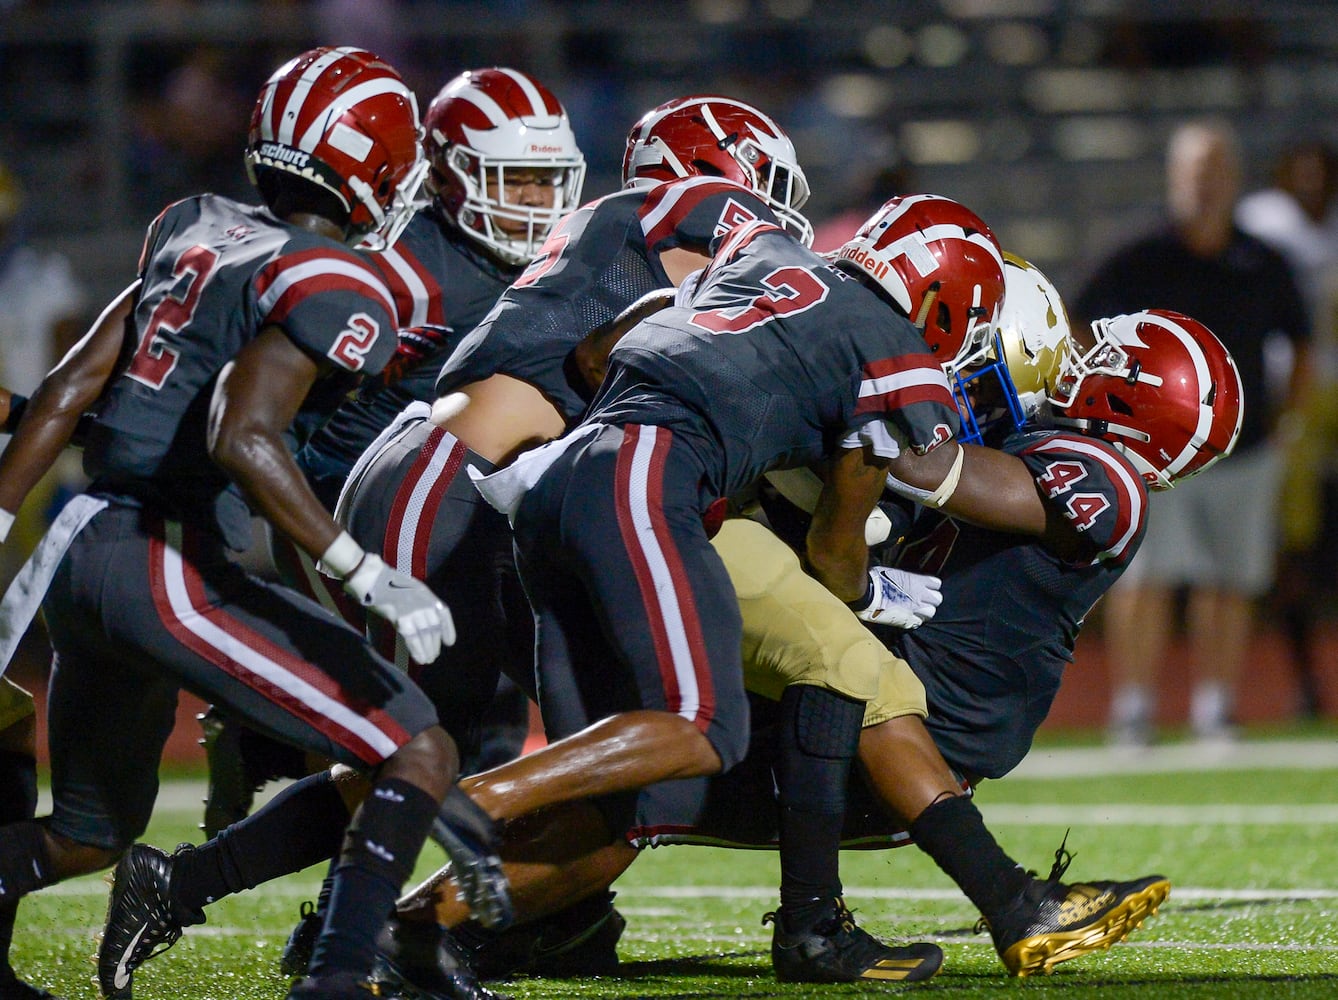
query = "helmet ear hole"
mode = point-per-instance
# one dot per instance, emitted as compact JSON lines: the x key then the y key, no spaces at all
{"x":1118,"y":405}
{"x":944,"y":317}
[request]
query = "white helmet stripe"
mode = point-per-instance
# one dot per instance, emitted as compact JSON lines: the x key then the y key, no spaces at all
{"x":347,"y":101}
{"x":711,"y":123}
{"x":1204,"y":379}
{"x":282,"y":130}
{"x":490,"y":108}
{"x":538,"y":109}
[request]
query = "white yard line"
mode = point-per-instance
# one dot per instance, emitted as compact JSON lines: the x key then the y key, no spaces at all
{"x":1244,"y":755}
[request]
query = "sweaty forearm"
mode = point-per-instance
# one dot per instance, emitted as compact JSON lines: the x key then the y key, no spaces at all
{"x":262,"y":466}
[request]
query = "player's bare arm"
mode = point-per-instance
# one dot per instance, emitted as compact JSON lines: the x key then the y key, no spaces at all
{"x":67,"y":392}
{"x":992,"y":488}
{"x":837,"y":554}
{"x":256,"y":400}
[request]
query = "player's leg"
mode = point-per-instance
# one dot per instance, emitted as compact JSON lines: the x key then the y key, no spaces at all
{"x":411,"y":501}
{"x":637,"y":627}
{"x":804,"y":647}
{"x":293,"y":671}
{"x":1032,"y":923}
{"x":18,"y":803}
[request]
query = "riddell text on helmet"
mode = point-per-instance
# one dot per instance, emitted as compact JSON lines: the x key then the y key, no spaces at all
{"x":866,"y":260}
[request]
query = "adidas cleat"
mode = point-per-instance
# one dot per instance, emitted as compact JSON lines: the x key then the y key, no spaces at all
{"x":1053,"y":922}
{"x":141,"y":920}
{"x":337,"y":986}
{"x":469,"y":837}
{"x":836,"y":950}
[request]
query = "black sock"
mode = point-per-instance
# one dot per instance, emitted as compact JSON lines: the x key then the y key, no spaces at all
{"x":381,"y":847}
{"x":18,"y":803}
{"x":302,"y":825}
{"x":953,"y":833}
{"x":819,"y":735}
{"x":18,"y":786}
{"x":25,"y":864}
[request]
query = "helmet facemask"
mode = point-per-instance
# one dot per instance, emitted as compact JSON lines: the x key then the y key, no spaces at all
{"x":485,"y":208}
{"x":1172,"y":422}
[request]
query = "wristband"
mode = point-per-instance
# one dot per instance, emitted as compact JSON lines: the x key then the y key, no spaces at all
{"x":343,"y":555}
{"x":6,"y":522}
{"x":864,"y":602}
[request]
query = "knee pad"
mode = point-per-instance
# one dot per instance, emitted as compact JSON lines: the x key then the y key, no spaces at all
{"x":818,"y":741}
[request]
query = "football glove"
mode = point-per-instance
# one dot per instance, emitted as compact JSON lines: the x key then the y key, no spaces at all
{"x":413,"y":344}
{"x":419,"y":616}
{"x":898,"y":598}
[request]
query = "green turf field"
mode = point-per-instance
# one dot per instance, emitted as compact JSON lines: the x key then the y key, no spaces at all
{"x":1249,"y":839}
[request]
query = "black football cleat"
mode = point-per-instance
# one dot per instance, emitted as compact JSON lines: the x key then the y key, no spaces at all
{"x":296,"y":955}
{"x":579,"y":941}
{"x":336,"y":986}
{"x":1053,"y":922}
{"x":232,"y":791}
{"x":420,"y":960}
{"x":469,"y":837}
{"x":141,"y":920}
{"x":836,"y":950}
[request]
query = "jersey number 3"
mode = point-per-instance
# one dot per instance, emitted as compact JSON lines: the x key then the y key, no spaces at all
{"x":793,"y":290}
{"x":154,"y":360}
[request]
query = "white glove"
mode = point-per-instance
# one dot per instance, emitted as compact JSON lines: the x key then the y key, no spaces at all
{"x":896,"y":597}
{"x":419,"y":616}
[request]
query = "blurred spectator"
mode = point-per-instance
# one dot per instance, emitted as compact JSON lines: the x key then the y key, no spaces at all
{"x":1214,"y":536}
{"x":1293,"y":216}
{"x":873,"y":187}
{"x":179,"y":147}
{"x":41,"y":318}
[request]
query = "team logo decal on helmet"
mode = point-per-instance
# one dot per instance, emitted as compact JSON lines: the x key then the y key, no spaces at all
{"x":343,"y":119}
{"x":1161,"y":387}
{"x":1030,"y":345}
{"x":714,"y":136}
{"x":495,"y":136}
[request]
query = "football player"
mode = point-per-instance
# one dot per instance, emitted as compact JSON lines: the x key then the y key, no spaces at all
{"x":1154,"y":400}
{"x":239,"y":317}
{"x":694,"y":167}
{"x":504,"y":166}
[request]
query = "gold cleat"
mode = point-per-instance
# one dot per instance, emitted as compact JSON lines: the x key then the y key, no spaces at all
{"x":1075,"y":920}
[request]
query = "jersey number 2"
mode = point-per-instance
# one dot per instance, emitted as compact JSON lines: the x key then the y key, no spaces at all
{"x":154,"y":360}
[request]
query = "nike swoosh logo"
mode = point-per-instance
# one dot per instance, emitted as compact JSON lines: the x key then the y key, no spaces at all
{"x":394,"y":585}
{"x":121,"y":979}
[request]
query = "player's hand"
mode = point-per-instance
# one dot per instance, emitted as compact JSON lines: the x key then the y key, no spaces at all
{"x":413,"y":344}
{"x":419,"y":616}
{"x":899,"y":598}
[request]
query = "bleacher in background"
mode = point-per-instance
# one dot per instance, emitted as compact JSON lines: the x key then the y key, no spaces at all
{"x":1046,"y":116}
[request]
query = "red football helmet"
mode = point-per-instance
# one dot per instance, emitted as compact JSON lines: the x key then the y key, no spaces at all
{"x":714,"y":136}
{"x":1158,"y":385}
{"x":483,"y":124}
{"x":344,"y":120}
{"x":941,"y":265}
